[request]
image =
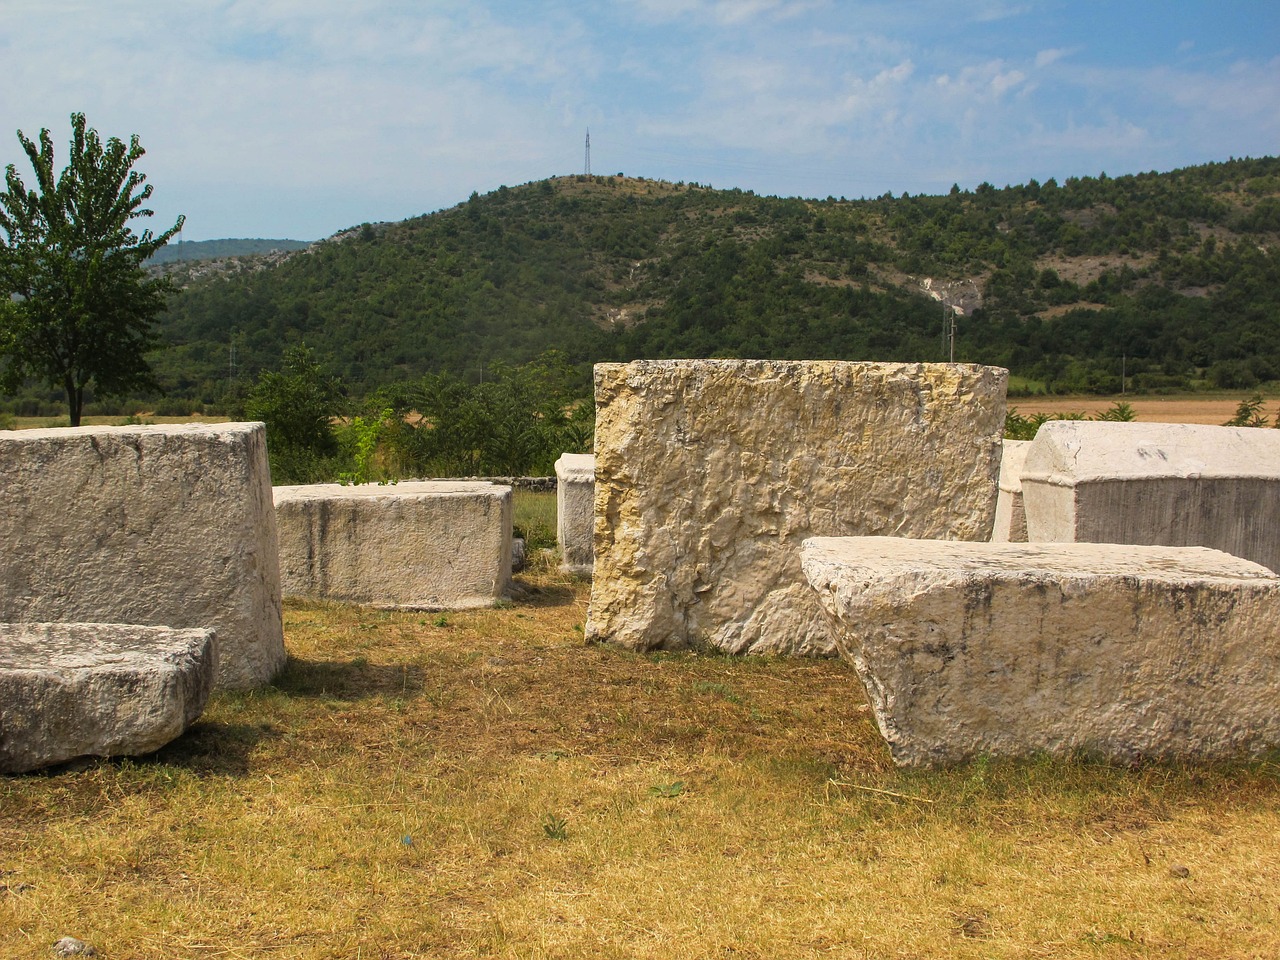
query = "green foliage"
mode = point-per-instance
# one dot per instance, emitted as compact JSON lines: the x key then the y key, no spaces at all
{"x":84,"y":307}
{"x":1018,"y":427}
{"x":555,"y":827}
{"x":298,"y":403}
{"x":1250,"y":414}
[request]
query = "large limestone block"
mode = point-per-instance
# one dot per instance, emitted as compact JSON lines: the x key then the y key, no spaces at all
{"x":576,"y":511}
{"x":423,"y":545}
{"x":1011,"y":516}
{"x":1177,"y":484}
{"x":71,"y":690}
{"x":158,"y":525}
{"x":1010,"y":649}
{"x":710,"y":473}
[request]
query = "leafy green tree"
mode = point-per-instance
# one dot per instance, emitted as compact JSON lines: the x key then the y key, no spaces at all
{"x":81,"y":306}
{"x":298,"y":403}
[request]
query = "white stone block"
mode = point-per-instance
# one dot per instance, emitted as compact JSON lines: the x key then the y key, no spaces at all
{"x":423,"y":545}
{"x":576,"y":511}
{"x":158,"y":525}
{"x":710,"y":473}
{"x":1011,"y":516}
{"x":1175,"y":484}
{"x":71,"y":690}
{"x":1011,"y":649}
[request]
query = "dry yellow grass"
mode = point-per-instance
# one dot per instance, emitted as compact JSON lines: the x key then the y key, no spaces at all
{"x":484,"y":785}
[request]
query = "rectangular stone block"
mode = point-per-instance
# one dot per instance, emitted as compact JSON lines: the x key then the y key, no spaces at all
{"x":1176,"y":484}
{"x":70,"y":690}
{"x":1011,"y":515}
{"x":155,"y":525}
{"x":710,"y":473}
{"x":576,"y":511}
{"x":423,"y":545}
{"x":1011,"y":649}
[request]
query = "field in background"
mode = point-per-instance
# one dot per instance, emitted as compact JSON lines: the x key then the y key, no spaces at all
{"x":483,"y":784}
{"x":1158,"y":409}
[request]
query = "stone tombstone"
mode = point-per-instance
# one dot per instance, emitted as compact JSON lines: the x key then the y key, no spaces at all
{"x":576,"y":511}
{"x":70,"y":690}
{"x":1176,"y":484}
{"x":710,"y":473}
{"x":164,"y":525}
{"x":1011,"y":516}
{"x":420,"y":545}
{"x":1011,"y":649}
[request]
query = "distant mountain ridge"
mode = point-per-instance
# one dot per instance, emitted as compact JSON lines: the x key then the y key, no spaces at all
{"x":175,"y":252}
{"x":1153,"y":281}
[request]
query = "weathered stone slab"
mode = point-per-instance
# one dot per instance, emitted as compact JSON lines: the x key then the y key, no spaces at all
{"x":71,"y":690}
{"x":1011,"y":516}
{"x":1176,"y":484}
{"x":157,"y":525}
{"x":710,"y":473}
{"x":1010,"y":649}
{"x":423,"y":545}
{"x":576,"y":511}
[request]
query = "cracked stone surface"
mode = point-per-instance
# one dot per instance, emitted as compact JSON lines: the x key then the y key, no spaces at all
{"x":710,"y":473}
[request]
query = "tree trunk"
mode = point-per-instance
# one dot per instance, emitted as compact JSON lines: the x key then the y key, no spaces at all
{"x":75,"y":401}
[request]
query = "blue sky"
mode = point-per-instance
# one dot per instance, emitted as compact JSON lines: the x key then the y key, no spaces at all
{"x":297,"y":118}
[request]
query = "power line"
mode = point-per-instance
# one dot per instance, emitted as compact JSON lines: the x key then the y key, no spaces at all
{"x":587,"y":170}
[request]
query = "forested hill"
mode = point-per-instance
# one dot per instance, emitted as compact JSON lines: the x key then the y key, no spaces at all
{"x":217,"y":249}
{"x":1173,"y":278}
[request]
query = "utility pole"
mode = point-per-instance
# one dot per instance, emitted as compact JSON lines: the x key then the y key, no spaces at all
{"x":587,"y":166}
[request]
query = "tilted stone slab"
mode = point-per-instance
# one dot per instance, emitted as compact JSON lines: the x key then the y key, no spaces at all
{"x":576,"y":511}
{"x":422,"y":545}
{"x":71,"y":690}
{"x":710,"y":473}
{"x":1011,"y":649}
{"x":1176,"y":484}
{"x":157,"y":525}
{"x":1011,"y":516}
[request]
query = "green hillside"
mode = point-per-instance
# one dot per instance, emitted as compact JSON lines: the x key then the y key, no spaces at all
{"x":1173,"y":278}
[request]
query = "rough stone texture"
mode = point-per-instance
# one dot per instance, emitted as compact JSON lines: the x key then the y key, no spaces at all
{"x":1176,"y":484}
{"x":710,"y":473}
{"x":71,"y":690}
{"x":576,"y":511}
{"x":1010,"y":649}
{"x":424,"y":545}
{"x":159,"y":525}
{"x":1011,"y":516}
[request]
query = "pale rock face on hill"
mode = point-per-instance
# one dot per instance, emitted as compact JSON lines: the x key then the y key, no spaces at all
{"x":710,"y":473}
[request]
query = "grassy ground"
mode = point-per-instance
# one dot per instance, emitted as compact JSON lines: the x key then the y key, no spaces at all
{"x":483,"y":784}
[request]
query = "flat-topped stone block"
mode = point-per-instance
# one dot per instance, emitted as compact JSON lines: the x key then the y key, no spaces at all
{"x":1011,"y":649}
{"x":576,"y":511}
{"x":158,"y":525}
{"x":71,"y":690}
{"x":423,"y":545}
{"x":1011,"y":515}
{"x":710,"y":473}
{"x":1175,"y":484}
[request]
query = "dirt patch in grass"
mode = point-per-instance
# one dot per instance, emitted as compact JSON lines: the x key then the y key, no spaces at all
{"x":483,"y":784}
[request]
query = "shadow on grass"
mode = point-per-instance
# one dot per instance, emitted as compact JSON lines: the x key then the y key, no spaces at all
{"x":348,"y":679}
{"x":530,"y":592}
{"x":211,"y":748}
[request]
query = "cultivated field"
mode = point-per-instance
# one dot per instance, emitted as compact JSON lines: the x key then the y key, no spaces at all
{"x":1174,"y":409}
{"x":485,"y":785}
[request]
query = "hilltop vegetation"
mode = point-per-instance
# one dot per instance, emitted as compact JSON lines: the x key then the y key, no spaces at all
{"x":1171,"y":279}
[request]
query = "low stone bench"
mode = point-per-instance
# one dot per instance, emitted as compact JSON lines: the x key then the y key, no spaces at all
{"x":1176,"y":484}
{"x":163,"y":525}
{"x":1011,"y":515}
{"x":71,"y":690}
{"x":1009,"y":649}
{"x":423,"y":545}
{"x":576,"y":511}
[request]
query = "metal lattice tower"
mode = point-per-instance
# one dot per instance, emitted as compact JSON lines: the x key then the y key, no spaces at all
{"x":587,"y":170}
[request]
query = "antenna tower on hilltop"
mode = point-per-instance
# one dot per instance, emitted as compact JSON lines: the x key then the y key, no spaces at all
{"x":587,"y":170}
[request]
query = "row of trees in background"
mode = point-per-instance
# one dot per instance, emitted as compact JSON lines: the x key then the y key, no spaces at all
{"x":516,"y":422}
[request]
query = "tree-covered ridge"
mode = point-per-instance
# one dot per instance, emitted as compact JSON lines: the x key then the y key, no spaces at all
{"x":182,"y":252}
{"x":1171,"y":278}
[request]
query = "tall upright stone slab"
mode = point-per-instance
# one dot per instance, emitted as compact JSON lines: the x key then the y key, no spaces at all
{"x":710,"y":473}
{"x":1011,"y":515}
{"x":1173,"y":484}
{"x":155,"y":525}
{"x":576,"y":511}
